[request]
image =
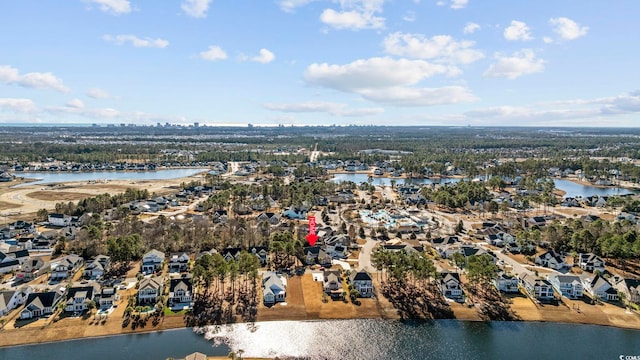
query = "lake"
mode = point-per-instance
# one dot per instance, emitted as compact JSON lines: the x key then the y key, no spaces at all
{"x":571,"y":188}
{"x":578,"y":190}
{"x":357,"y":339}
{"x":61,"y":177}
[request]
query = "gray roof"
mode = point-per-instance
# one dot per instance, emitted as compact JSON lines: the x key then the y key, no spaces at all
{"x":5,"y":298}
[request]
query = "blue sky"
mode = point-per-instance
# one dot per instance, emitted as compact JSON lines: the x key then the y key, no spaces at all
{"x":320,"y":62}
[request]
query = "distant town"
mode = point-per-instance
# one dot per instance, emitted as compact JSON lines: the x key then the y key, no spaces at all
{"x":119,"y":229}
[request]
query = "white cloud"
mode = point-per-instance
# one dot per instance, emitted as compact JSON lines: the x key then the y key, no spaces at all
{"x":105,"y":113}
{"x":265,"y":57}
{"x":439,"y":47}
{"x":98,"y":93}
{"x":36,"y":80}
{"x":136,"y":41}
{"x":455,"y":4}
{"x":408,"y":96}
{"x":355,"y":15}
{"x":113,"y":6}
{"x":372,"y":73}
{"x":331,"y":108}
{"x":470,"y":28}
{"x":75,"y":103}
{"x":567,"y":29}
{"x":291,"y":5}
{"x":352,"y":20}
{"x":517,"y":31}
{"x":196,"y":8}
{"x":459,"y":4}
{"x":214,"y":53}
{"x":547,"y":40}
{"x":18,"y":105}
{"x":388,"y":81}
{"x":410,"y":16}
{"x":523,"y":62}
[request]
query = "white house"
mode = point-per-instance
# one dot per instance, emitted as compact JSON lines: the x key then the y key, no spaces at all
{"x":362,"y":281}
{"x":332,"y":284}
{"x":78,"y":299}
{"x":33,"y":268}
{"x":107,"y":297}
{"x":590,"y":262}
{"x":97,"y":267}
{"x":568,"y":285}
{"x":181,"y":292}
{"x":629,"y":287}
{"x":11,"y":299}
{"x":38,"y":304}
{"x":451,"y":286}
{"x":65,"y":267}
{"x":551,"y":260}
{"x":179,"y":262}
{"x":8,"y":263}
{"x":539,"y":289}
{"x":600,"y":288}
{"x":60,"y":220}
{"x":274,"y":288}
{"x":506,"y":283}
{"x":150,"y":290}
{"x":152,"y":261}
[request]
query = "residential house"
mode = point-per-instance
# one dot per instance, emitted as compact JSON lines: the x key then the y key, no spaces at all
{"x":568,"y":285}
{"x":551,"y":260}
{"x":261,"y":252}
{"x":107,"y":297}
{"x":21,"y":255}
{"x":97,"y":267}
{"x":150,"y":290}
{"x":64,"y":267}
{"x":33,"y":268}
{"x":8,"y":263}
{"x":59,"y":220}
{"x":537,"y":221}
{"x":231,"y":253}
{"x":629,"y":287}
{"x":540,"y":289}
{"x":507,"y":283}
{"x":181,"y":292}
{"x":11,"y":299}
{"x":315,"y":255}
{"x":590,"y":262}
{"x":451,"y":286}
{"x":271,"y":218}
{"x":362,"y":281}
{"x":600,"y":288}
{"x":44,"y":303}
{"x":295,"y":214}
{"x":220,"y":216}
{"x":274,"y":288}
{"x":78,"y":298}
{"x":152,"y":261}
{"x":179,"y":262}
{"x":332,"y":284}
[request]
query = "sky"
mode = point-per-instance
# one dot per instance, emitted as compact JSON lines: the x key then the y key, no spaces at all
{"x":321,"y":62}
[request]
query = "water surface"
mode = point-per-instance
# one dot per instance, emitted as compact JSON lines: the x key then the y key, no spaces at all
{"x":61,"y":177}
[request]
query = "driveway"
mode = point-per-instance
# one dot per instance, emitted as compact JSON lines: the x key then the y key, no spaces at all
{"x":364,"y":260}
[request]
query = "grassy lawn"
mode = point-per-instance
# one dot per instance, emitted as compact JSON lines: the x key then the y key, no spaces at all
{"x":168,"y":311}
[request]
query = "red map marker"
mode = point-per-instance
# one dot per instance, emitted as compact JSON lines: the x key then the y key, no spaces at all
{"x":312,"y":237}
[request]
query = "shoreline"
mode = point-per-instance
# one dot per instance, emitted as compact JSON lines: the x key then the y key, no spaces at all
{"x":176,"y":328}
